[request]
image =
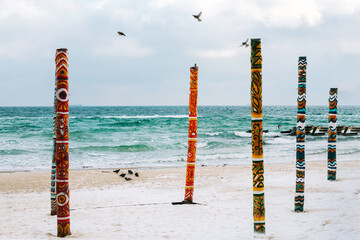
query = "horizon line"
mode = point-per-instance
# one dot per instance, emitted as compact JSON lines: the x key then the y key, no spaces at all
{"x":247,"y":105}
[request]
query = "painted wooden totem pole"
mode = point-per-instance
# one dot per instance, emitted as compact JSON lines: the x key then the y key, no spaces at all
{"x":332,"y":134}
{"x":192,"y":137}
{"x":300,"y":136}
{"x":62,"y":143}
{"x":53,"y":210}
{"x":257,"y":137}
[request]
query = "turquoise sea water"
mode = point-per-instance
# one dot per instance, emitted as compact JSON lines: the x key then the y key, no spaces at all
{"x":102,"y":137}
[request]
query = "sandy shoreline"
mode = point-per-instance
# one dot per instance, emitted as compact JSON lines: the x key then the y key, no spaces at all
{"x":105,"y":205}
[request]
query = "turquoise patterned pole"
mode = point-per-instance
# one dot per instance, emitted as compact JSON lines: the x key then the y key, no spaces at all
{"x":332,"y":134}
{"x":300,"y":136}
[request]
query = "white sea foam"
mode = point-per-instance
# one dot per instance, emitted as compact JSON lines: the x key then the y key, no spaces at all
{"x":242,"y":134}
{"x":213,"y":133}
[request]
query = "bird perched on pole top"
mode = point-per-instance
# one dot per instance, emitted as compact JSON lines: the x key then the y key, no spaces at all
{"x":122,"y":34}
{"x":198,"y":16}
{"x":246,"y":43}
{"x":194,"y":67}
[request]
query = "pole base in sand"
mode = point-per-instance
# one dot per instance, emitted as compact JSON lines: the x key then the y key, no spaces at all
{"x":184,"y":202}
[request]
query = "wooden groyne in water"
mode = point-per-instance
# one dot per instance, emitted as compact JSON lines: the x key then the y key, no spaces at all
{"x":319,"y":130}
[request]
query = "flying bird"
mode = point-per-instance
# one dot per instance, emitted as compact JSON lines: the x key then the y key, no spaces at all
{"x":122,"y":34}
{"x":198,"y":16}
{"x":246,"y":43}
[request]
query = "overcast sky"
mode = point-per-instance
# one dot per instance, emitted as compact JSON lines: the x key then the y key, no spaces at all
{"x":150,"y":66}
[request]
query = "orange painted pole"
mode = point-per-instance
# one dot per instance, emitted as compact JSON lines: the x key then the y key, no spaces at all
{"x":257,"y":137}
{"x":62,"y":143}
{"x":192,"y":137}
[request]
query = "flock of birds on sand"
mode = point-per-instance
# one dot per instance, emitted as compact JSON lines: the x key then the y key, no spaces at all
{"x":197,"y":17}
{"x":123,"y":175}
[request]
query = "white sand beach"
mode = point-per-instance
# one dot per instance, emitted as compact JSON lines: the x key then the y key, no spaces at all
{"x":105,"y":206}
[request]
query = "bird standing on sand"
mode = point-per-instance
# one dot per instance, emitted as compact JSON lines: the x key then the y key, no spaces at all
{"x":116,"y":171}
{"x":246,"y":44}
{"x":122,"y":175}
{"x":130,"y":172}
{"x":198,"y":16}
{"x":122,"y":34}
